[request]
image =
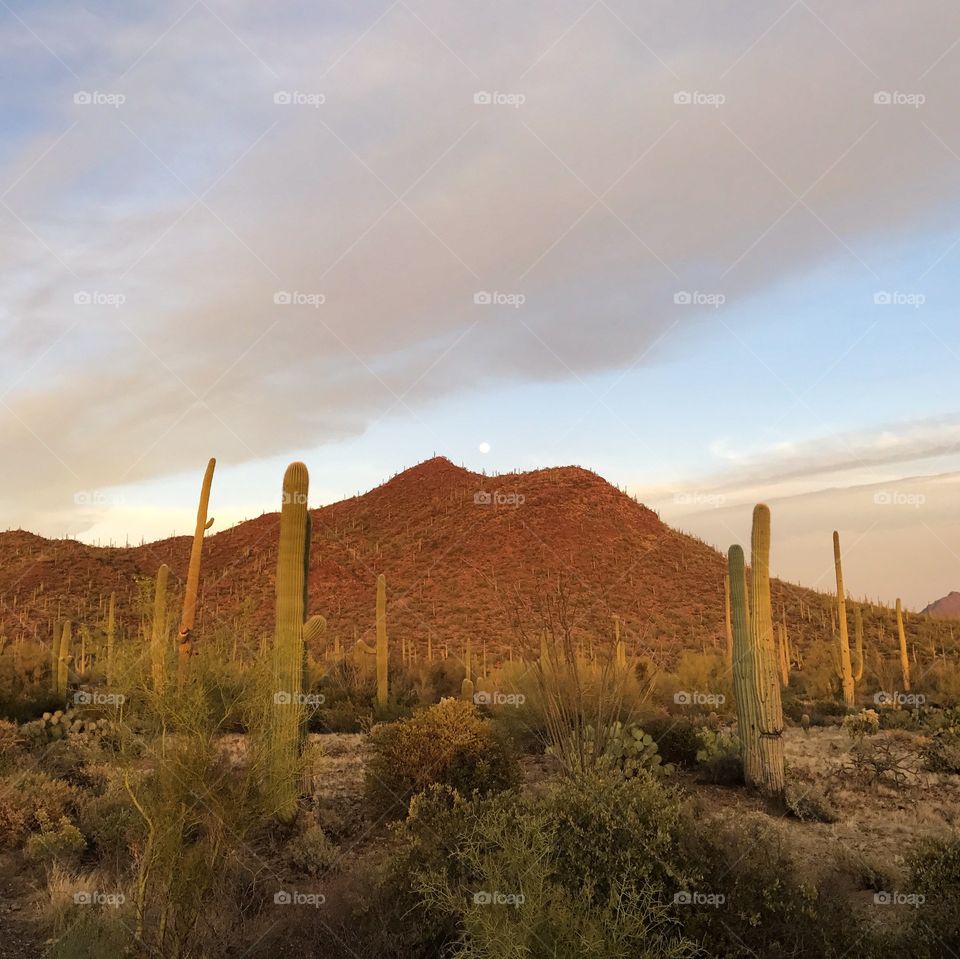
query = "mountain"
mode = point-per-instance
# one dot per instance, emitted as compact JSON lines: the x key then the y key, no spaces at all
{"x":465,"y":555}
{"x":946,"y":608}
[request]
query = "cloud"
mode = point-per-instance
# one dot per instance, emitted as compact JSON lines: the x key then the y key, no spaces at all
{"x":146,"y":241}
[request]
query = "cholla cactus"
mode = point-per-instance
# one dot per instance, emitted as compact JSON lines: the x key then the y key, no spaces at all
{"x":193,"y":579}
{"x":845,"y":671}
{"x":287,"y":722}
{"x":757,"y":690}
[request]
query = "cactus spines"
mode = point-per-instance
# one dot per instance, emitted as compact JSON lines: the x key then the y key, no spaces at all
{"x":729,"y":621}
{"x":63,"y":660}
{"x":383,"y":649}
{"x":286,"y":726}
{"x":904,"y":658}
{"x":189,"y":616}
{"x":158,"y":631}
{"x":846,"y":670}
{"x":759,"y":708}
{"x":858,"y":643}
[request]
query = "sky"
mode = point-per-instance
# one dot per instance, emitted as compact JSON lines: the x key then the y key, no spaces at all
{"x":707,"y":251}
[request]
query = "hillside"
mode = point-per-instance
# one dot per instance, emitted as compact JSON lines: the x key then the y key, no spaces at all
{"x":948,"y":607}
{"x":464,"y":555}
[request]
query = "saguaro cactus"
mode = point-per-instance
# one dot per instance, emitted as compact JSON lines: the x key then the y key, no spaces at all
{"x":466,"y":687}
{"x":286,"y":727}
{"x":845,"y":670}
{"x":757,"y":690}
{"x":729,"y":621}
{"x":185,"y":633}
{"x":63,"y":660}
{"x":904,"y":657}
{"x":383,"y":649}
{"x":55,"y":657}
{"x":858,"y":643}
{"x":111,"y":635}
{"x":158,"y":631}
{"x":621,"y":647}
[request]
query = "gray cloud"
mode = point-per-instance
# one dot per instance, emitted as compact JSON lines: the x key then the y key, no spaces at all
{"x":399,"y":198}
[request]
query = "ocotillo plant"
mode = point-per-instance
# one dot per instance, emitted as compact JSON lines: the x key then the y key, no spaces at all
{"x":286,"y":724}
{"x":383,"y":649}
{"x":63,"y":660}
{"x":845,"y":671}
{"x":158,"y":631}
{"x":757,"y":690}
{"x":185,"y":634}
{"x":904,"y":658}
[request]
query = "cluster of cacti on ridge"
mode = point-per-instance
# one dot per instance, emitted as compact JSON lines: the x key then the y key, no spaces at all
{"x":756,"y":687}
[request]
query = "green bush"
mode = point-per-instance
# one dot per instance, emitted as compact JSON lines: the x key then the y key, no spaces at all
{"x":942,"y":751}
{"x":449,"y":743}
{"x":934,"y":873}
{"x":56,"y":842}
{"x":807,"y":800}
{"x":678,"y":739}
{"x":718,"y":759}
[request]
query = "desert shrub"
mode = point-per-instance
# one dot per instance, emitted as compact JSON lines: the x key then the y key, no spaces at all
{"x":806,"y":798}
{"x":699,"y":684}
{"x":34,"y":798}
{"x":11,"y":745}
{"x":902,"y":719}
{"x":627,"y":750}
{"x":56,"y":842}
{"x":449,"y":743}
{"x":309,"y":852}
{"x":933,"y":869}
{"x":890,"y":758}
{"x":718,"y":758}
{"x":773,"y":903}
{"x":941,"y":752}
{"x":864,"y":723}
{"x":677,"y":738}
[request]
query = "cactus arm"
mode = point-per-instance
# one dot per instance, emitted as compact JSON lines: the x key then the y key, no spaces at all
{"x":858,"y":643}
{"x":846,"y":670}
{"x":314,"y":628}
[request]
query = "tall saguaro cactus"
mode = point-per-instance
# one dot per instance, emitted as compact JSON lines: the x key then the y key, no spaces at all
{"x":858,"y":643}
{"x":286,"y":725}
{"x":383,"y":649}
{"x":188,"y":619}
{"x":158,"y":631}
{"x":55,"y":657}
{"x":729,"y":621}
{"x":466,"y":687}
{"x":111,"y":635}
{"x":63,"y":660}
{"x":846,"y":670}
{"x":756,"y":686}
{"x":904,"y":657}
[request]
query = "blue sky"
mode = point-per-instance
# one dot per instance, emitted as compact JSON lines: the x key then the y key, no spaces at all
{"x":169,"y":176}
